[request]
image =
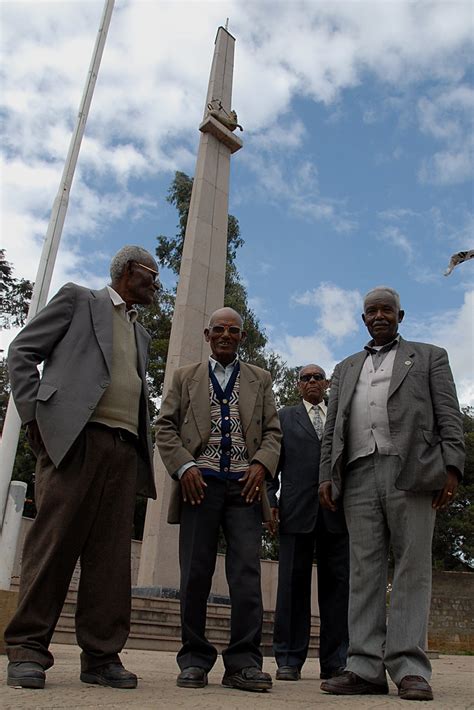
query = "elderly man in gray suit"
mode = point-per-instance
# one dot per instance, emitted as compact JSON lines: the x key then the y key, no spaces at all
{"x":393,"y":451}
{"x":88,"y":424}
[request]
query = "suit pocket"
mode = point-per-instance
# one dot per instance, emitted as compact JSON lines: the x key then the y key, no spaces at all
{"x":45,"y":392}
{"x":431,"y":437}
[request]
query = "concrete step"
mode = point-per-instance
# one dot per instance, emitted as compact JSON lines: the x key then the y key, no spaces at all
{"x":156,"y":625}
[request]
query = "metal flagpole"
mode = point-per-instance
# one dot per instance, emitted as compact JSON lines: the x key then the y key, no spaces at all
{"x":11,"y":429}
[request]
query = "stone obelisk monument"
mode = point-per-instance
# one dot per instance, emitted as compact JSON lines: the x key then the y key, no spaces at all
{"x":200,"y":289}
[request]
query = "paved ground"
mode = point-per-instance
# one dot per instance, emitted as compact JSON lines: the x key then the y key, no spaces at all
{"x":453,"y":684}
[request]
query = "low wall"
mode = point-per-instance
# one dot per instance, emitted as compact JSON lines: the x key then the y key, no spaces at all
{"x":451,"y":625}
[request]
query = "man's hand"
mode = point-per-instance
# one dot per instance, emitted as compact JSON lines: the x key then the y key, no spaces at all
{"x":34,"y":437}
{"x":253,"y":480}
{"x":192,"y":485}
{"x":445,"y":496}
{"x":325,"y":496}
{"x":272,"y":525}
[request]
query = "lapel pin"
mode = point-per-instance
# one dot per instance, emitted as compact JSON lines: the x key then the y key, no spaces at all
{"x":407,"y":362}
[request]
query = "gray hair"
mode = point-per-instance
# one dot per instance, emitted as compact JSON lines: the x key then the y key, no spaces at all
{"x":124,"y":255}
{"x":386,"y":289}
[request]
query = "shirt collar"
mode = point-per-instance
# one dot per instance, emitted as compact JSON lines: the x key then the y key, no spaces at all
{"x":309,"y":406}
{"x":372,"y":349}
{"x":118,"y":302}
{"x":215,"y":363}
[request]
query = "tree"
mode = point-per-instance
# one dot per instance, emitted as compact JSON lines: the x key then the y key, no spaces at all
{"x":453,"y":540}
{"x":15,"y":295}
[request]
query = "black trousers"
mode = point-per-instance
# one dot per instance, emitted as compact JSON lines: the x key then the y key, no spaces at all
{"x":85,"y":510}
{"x":293,"y":608}
{"x":222,"y":507}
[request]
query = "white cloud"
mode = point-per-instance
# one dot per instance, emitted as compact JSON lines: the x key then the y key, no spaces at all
{"x":395,"y":236}
{"x":338,"y":309}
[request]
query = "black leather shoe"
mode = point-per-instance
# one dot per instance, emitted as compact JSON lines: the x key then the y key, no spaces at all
{"x":26,"y":674}
{"x":288,"y":673}
{"x":324,"y":675}
{"x":192,"y":677}
{"x":349,"y":683}
{"x":251,"y":678}
{"x":414,"y":687}
{"x":112,"y":675}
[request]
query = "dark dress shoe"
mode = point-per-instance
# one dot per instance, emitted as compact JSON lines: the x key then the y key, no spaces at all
{"x":192,"y":677}
{"x":26,"y":674}
{"x":349,"y":683}
{"x":288,"y":673}
{"x":251,"y":678}
{"x":415,"y":687}
{"x":112,"y":675}
{"x":324,"y":675}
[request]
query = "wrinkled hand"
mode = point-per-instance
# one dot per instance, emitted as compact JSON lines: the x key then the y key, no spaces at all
{"x":34,"y":437}
{"x":192,"y":485}
{"x":272,"y":525}
{"x":325,"y":496}
{"x":253,"y":480}
{"x":446,"y":495}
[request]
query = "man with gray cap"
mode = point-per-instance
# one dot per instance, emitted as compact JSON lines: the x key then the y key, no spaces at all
{"x":87,"y":421}
{"x":393,"y":452}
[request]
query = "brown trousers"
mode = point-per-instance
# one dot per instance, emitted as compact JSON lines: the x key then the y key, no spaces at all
{"x":85,"y":510}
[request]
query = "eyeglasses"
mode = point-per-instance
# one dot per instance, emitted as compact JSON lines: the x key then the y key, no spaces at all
{"x":155,"y":273}
{"x":219,"y":329}
{"x":317,"y":376}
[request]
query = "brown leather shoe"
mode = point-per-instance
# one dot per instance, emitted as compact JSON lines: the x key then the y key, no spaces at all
{"x":349,"y":683}
{"x":414,"y":687}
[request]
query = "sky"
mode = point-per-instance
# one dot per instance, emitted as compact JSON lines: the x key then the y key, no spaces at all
{"x":356,"y":171}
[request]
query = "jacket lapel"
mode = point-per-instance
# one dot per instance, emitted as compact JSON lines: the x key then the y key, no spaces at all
{"x":198,"y":388}
{"x":304,"y":421}
{"x":248,"y":391}
{"x":101,"y":312}
{"x":351,"y":378}
{"x":402,"y":363}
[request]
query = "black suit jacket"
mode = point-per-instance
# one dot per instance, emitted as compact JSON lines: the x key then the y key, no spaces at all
{"x":299,"y":473}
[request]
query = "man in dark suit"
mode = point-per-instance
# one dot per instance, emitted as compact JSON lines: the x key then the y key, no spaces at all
{"x":303,"y":527}
{"x":88,"y":424}
{"x":393,"y":452}
{"x":219,"y":438}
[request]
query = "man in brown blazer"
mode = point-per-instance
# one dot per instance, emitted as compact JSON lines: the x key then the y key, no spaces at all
{"x":393,"y":452}
{"x":219,"y":438}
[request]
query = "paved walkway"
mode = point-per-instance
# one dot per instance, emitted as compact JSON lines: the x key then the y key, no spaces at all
{"x":453,"y":685}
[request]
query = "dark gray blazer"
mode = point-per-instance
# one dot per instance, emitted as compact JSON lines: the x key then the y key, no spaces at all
{"x":72,"y":336}
{"x":423,"y":413}
{"x":299,"y":476}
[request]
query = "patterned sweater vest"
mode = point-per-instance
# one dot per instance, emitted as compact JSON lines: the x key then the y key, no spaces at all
{"x":225,"y":454}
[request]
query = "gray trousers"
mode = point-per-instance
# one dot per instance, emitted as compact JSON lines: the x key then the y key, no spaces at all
{"x":380,"y":516}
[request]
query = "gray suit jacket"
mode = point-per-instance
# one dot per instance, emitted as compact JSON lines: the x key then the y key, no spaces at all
{"x":72,"y":336}
{"x":184,"y":424}
{"x":423,"y":413}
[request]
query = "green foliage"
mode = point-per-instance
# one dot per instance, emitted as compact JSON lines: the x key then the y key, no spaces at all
{"x":453,"y":540}
{"x":15,"y":295}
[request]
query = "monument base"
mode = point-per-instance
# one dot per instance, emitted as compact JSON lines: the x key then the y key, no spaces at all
{"x":8,"y":604}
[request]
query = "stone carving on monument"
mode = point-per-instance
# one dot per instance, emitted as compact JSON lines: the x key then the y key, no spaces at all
{"x":229,"y":120}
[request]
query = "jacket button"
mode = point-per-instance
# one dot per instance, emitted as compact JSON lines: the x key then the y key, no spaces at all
{"x":92,"y":407}
{"x":255,"y":441}
{"x":188,"y":441}
{"x":104,"y":384}
{"x":258,"y":421}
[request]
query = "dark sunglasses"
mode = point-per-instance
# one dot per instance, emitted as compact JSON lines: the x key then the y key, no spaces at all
{"x":313,"y":376}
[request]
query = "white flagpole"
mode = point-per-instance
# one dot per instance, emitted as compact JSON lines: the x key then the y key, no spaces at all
{"x":11,"y":429}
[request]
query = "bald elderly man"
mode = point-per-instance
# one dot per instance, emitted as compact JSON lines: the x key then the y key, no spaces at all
{"x":219,"y":438}
{"x":393,"y":452}
{"x":87,"y":422}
